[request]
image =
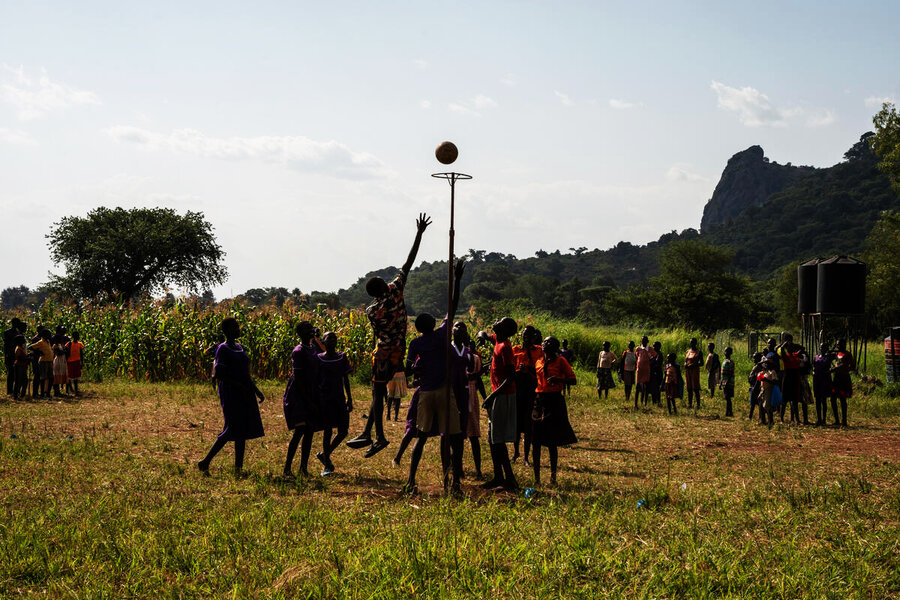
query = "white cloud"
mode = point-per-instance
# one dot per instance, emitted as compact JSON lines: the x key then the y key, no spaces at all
{"x":421,"y":64}
{"x":877,"y":101}
{"x":564,"y":98}
{"x":510,"y":79}
{"x":16,"y":137}
{"x":756,"y":110}
{"x":481,"y":102}
{"x":33,"y":98}
{"x":473,"y":107}
{"x":294,"y":152}
{"x":426,"y":104}
{"x":622,"y":104}
{"x":681,"y":172}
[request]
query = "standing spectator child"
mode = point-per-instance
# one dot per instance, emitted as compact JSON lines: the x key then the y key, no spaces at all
{"x":627,"y":368}
{"x":527,"y":356}
{"x":9,"y":354}
{"x":43,"y":375}
{"x":727,"y":381}
{"x":337,"y":403}
{"x":396,"y":389}
{"x":822,"y":385}
{"x":713,"y":369}
{"x":20,"y":366}
{"x":657,"y":377}
{"x":769,"y":391}
{"x":673,"y":383}
{"x":605,"y":362}
{"x":550,"y":414}
{"x":758,"y":367}
{"x":476,"y":389}
{"x":60,"y":365}
{"x":843,"y":387}
{"x":692,"y":362}
{"x":74,"y":351}
{"x":642,"y":372}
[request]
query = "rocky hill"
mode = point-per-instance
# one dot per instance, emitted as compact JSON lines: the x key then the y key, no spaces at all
{"x":748,"y":179}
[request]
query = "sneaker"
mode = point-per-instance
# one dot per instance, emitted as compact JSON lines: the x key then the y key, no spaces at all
{"x":360,"y":441}
{"x":326,"y":472}
{"x":377,"y":447}
{"x":326,"y":462}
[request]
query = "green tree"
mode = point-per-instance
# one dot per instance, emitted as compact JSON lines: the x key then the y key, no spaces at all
{"x":886,"y":142}
{"x":696,"y":289}
{"x":883,"y":284}
{"x":118,"y":253}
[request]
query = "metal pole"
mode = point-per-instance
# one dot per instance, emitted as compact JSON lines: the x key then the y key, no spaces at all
{"x":450,"y":294}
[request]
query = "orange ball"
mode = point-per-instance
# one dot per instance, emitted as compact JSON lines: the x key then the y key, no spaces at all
{"x":446,"y":153}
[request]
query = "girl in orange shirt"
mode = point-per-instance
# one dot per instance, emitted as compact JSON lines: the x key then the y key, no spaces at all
{"x":550,"y":415}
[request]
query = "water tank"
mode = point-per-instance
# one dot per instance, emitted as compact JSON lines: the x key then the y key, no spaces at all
{"x":806,"y":286}
{"x":841,"y":286}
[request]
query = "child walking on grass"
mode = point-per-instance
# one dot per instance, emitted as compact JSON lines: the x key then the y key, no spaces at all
{"x":337,"y":403}
{"x":237,"y":394}
{"x":301,"y":402}
{"x":673,"y":383}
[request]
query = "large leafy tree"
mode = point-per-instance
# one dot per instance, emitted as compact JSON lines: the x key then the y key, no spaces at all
{"x":119,"y":254}
{"x":886,"y":142}
{"x":882,"y":252}
{"x":696,"y":287}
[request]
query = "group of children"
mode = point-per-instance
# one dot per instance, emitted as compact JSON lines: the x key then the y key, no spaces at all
{"x":650,"y":373}
{"x":779,"y":379}
{"x":53,"y":357}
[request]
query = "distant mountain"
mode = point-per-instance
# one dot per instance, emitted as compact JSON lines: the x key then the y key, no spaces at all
{"x":748,"y":179}
{"x":768,"y":214}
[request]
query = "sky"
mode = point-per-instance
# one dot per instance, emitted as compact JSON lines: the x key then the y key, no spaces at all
{"x":305,"y":131}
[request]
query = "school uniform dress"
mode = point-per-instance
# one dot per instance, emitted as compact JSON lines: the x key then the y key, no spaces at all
{"x":692,"y":369}
{"x":502,"y":414}
{"x":74,"y":361}
{"x":239,"y":407}
{"x":301,"y":398}
{"x":604,"y":370}
{"x":550,"y":415}
{"x":629,"y":366}
{"x":526,"y":361}
{"x":822,"y":384}
{"x":656,"y":373}
{"x":642,"y":365}
{"x":331,"y":372}
{"x":841,"y":383}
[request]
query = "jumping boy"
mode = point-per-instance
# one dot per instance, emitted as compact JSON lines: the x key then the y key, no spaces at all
{"x":387,"y":314}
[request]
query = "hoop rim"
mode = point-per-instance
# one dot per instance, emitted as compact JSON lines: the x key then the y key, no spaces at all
{"x":451,"y":175}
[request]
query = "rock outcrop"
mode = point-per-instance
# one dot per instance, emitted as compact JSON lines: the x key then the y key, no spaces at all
{"x":748,"y":179}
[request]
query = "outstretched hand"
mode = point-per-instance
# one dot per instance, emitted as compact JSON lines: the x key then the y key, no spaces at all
{"x":422,"y":222}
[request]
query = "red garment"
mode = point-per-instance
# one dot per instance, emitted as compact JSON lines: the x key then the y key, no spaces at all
{"x":502,"y":359}
{"x":642,"y":370}
{"x":555,"y":367}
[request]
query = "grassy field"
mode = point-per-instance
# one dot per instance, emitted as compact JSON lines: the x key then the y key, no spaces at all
{"x":102,"y":499}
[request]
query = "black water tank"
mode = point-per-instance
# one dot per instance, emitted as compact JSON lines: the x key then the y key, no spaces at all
{"x":841,"y":286}
{"x":807,"y":288}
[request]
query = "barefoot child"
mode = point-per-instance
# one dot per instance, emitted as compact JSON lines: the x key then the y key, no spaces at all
{"x":60,"y":368}
{"x":713,"y":369}
{"x":822,"y":385}
{"x":476,"y":396}
{"x":550,"y":414}
{"x":673,"y":383}
{"x":20,"y":366}
{"x":334,"y":392}
{"x":527,"y":356}
{"x":605,"y":362}
{"x":396,"y":389}
{"x":237,"y":394}
{"x":74,"y":350}
{"x":302,"y":408}
{"x":727,"y":381}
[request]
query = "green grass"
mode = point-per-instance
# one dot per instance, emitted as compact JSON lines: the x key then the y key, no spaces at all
{"x":102,"y":500}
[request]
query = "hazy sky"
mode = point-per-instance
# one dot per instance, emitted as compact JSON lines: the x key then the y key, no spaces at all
{"x":305,"y":131}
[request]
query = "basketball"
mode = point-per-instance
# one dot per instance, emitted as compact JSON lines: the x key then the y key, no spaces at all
{"x":446,"y":152}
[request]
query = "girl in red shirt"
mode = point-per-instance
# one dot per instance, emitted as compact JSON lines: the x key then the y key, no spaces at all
{"x":550,"y":415}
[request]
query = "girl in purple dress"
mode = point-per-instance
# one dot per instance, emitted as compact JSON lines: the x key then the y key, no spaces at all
{"x":822,"y":382}
{"x":302,"y":410}
{"x":334,"y":392}
{"x":237,"y":394}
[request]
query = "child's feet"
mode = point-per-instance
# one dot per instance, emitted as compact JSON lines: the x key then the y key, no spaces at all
{"x":409,"y":489}
{"x":204,"y":468}
{"x":491,"y":484}
{"x":326,"y":462}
